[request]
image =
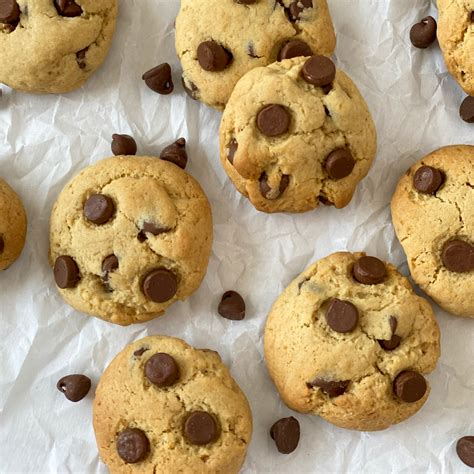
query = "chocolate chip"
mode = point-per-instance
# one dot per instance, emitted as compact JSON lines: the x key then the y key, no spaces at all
{"x":192,"y":90}
{"x":213,"y":57}
{"x":66,"y":272}
{"x":370,"y":271}
{"x":68,"y":8}
{"x":81,"y":58}
{"x":162,"y":370}
{"x":330,"y":388}
{"x":423,"y":34}
{"x":232,"y":306}
{"x":75,"y":387}
{"x":472,"y":16}
{"x":154,"y":229}
{"x":159,"y":79}
{"x":132,"y":445}
{"x":123,"y":145}
{"x":140,"y":352}
{"x":273,"y":120}
{"x":251,"y":50}
{"x":319,"y":71}
{"x":458,"y":256}
{"x":294,"y":49}
{"x":339,"y":164}
{"x":233,"y":146}
{"x":200,"y":428}
{"x":325,"y":201}
{"x":465,"y":450}
{"x":9,"y":12}
{"x":109,"y":264}
{"x":394,"y":341}
{"x":427,"y":180}
{"x":286,"y":433}
{"x":245,"y":2}
{"x":466,"y":111}
{"x":342,"y":316}
{"x":98,"y":209}
{"x":297,"y":7}
{"x":410,"y":386}
{"x":176,"y":153}
{"x":160,"y":285}
{"x":272,"y":194}
{"x":2,"y":244}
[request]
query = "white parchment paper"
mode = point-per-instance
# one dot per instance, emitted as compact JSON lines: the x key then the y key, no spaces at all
{"x":46,"y":140}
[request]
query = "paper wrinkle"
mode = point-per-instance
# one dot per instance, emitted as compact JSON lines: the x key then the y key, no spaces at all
{"x":46,"y":140}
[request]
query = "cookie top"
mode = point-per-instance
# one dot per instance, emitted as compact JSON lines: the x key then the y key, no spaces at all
{"x":456,"y":39}
{"x":12,"y":225}
{"x":296,"y":134}
{"x":433,"y":216}
{"x":348,"y":340}
{"x":163,"y":406}
{"x":53,"y":46}
{"x":248,"y":34}
{"x":129,"y":236}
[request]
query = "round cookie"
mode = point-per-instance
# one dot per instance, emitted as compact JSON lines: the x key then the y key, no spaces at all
{"x":130,"y":236}
{"x":456,"y":39}
{"x":433,"y":216}
{"x":163,"y":406}
{"x":12,"y":225}
{"x":297,"y":134}
{"x":349,"y":340}
{"x":248,"y":34}
{"x":53,"y":46}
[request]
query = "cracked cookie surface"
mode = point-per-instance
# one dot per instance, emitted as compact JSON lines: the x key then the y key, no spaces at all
{"x":351,"y":375}
{"x":12,"y":225}
{"x":289,"y":172}
{"x":426,"y":223}
{"x":456,"y":39}
{"x":126,"y":399}
{"x":129,"y":236}
{"x":53,"y":46}
{"x":251,"y":34}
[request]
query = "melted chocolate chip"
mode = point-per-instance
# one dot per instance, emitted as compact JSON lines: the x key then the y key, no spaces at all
{"x":296,"y":8}
{"x":68,"y":8}
{"x":160,"y":285}
{"x":339,"y":164}
{"x":273,"y":120}
{"x":331,"y":388}
{"x":233,"y":146}
{"x":201,"y":428}
{"x":162,"y":370}
{"x":342,"y":316}
{"x":458,"y":256}
{"x":394,"y":341}
{"x":272,"y":194}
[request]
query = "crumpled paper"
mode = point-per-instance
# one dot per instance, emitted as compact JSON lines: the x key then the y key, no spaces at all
{"x":46,"y":140}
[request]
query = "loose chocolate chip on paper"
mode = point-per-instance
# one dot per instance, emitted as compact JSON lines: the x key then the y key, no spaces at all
{"x":68,"y":8}
{"x":9,"y":12}
{"x":286,"y":433}
{"x":339,"y":164}
{"x":159,"y":79}
{"x":99,"y":208}
{"x":176,"y":153}
{"x":132,"y":445}
{"x":75,"y":387}
{"x":213,"y":57}
{"x":423,"y":34}
{"x":297,"y":7}
{"x":160,"y":285}
{"x":294,"y":49}
{"x":162,"y":370}
{"x":330,"y":388}
{"x":466,"y":111}
{"x":427,"y":180}
{"x":319,"y":71}
{"x":273,"y":120}
{"x":232,"y":306}
{"x":370,"y":271}
{"x":123,"y":145}
{"x":233,"y":147}
{"x":394,"y":341}
{"x":465,"y":450}
{"x":342,"y":316}
{"x":66,"y":272}
{"x":200,"y":428}
{"x":272,"y":194}
{"x":458,"y":256}
{"x":410,"y":386}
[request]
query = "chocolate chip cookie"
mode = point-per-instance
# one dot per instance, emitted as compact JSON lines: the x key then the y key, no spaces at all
{"x":12,"y":225}
{"x":130,"y":236}
{"x":433,"y":216}
{"x":297,"y":134}
{"x":219,"y":41}
{"x":163,"y":406}
{"x":456,"y":39}
{"x":349,"y":340}
{"x":53,"y":46}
